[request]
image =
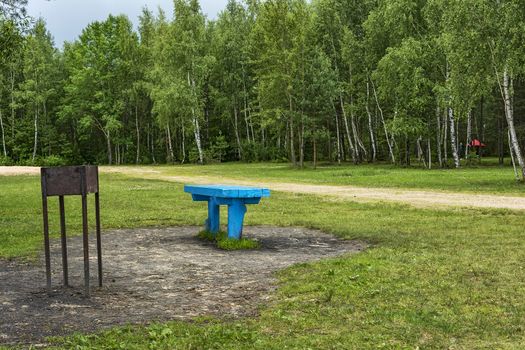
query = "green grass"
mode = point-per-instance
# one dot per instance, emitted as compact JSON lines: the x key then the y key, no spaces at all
{"x":223,"y":242}
{"x":487,"y":177}
{"x":432,"y":279}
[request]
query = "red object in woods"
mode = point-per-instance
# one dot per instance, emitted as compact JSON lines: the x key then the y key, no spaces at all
{"x":476,"y":143}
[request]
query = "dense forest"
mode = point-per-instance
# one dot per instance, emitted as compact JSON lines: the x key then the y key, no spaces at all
{"x":296,"y":80}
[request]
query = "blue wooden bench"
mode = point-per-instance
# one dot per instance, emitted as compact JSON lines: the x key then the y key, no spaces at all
{"x":235,"y":197}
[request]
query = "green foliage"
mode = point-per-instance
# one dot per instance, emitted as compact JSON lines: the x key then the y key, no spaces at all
{"x":5,"y":161}
{"x":264,"y":78}
{"x":218,"y":149}
{"x":256,"y":152}
{"x":52,"y":161}
{"x":100,"y":65}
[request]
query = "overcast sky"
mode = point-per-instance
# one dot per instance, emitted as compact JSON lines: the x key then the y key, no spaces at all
{"x":66,"y":18}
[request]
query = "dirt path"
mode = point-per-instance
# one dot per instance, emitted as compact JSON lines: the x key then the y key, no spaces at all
{"x":154,"y":275}
{"x":418,"y":198}
{"x":428,"y":199}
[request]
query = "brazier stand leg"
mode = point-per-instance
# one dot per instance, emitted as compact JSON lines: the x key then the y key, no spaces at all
{"x":85,"y":231}
{"x":46,"y":234}
{"x":99,"y":240}
{"x":64,"y":239}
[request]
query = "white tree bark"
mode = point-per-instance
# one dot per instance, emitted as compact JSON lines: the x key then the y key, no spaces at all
{"x":453,"y":137}
{"x":236,"y":129}
{"x":292,"y":146}
{"x":338,"y":135}
{"x":516,"y":174}
{"x":438,"y":136}
{"x":195,"y":121}
{"x":469,"y":133}
{"x":138,"y":133}
{"x":245,"y":101}
{"x":3,"y":133}
{"x":12,"y":78}
{"x":420,"y":153}
{"x":301,"y":143}
{"x":183,"y":132}
{"x":108,"y":144}
{"x":387,"y":137}
{"x":170,"y":146}
{"x":509,"y":114}
{"x":445,"y":137}
{"x":429,"y":148}
{"x":357,"y":139}
{"x":35,"y":144}
{"x":370,"y":124}
{"x":353,"y":148}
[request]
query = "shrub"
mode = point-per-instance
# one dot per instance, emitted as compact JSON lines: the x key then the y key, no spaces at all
{"x":52,"y":161}
{"x":5,"y":160}
{"x":48,"y":161}
{"x":257,"y":152}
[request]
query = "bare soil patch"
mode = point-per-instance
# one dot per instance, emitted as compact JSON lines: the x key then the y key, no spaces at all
{"x":154,"y":274}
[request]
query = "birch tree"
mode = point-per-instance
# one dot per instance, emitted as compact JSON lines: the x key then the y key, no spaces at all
{"x":194,"y":63}
{"x":38,"y":78}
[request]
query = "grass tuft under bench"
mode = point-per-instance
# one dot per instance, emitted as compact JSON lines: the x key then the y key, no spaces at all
{"x":222,"y":241}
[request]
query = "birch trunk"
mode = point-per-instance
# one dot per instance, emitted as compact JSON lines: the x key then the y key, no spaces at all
{"x":481,"y":133}
{"x":197,"y":134}
{"x":170,"y":146}
{"x":353,"y":149}
{"x":357,"y":139}
{"x":236,"y":129}
{"x":509,"y":113}
{"x":195,"y":121}
{"x":453,"y":137}
{"x":429,"y":148}
{"x":501,"y":156}
{"x":469,"y":133}
{"x":245,"y":101}
{"x":338,"y":136}
{"x":421,"y":153}
{"x":108,"y":144}
{"x":12,"y":104}
{"x":301,"y":146}
{"x":315,"y":152}
{"x":251,"y":126}
{"x":149,"y":143}
{"x":516,"y":174}
{"x":445,"y":137}
{"x":183,"y":139}
{"x":292,"y":148}
{"x":138,"y":133}
{"x":35,"y":144}
{"x":438,"y":136}
{"x":3,"y":133}
{"x":370,"y":124}
{"x":153,"y":148}
{"x":387,"y":137}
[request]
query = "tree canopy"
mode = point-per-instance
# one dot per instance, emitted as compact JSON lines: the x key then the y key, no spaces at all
{"x":332,"y":80}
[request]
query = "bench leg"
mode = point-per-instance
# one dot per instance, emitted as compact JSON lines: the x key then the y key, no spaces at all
{"x":213,"y":222}
{"x":236,"y":212}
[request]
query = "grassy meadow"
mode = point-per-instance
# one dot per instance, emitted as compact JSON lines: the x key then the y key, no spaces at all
{"x":432,"y":279}
{"x":486,"y":177}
